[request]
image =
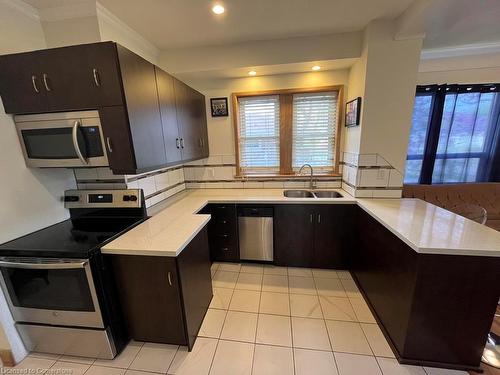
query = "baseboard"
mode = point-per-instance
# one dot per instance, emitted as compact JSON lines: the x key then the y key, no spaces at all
{"x":7,"y":358}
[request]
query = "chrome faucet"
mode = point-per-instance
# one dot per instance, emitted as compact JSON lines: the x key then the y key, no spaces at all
{"x":312,"y":184}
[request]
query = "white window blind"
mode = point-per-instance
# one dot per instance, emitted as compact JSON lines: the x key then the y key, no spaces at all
{"x":314,"y":127}
{"x":259,"y":129}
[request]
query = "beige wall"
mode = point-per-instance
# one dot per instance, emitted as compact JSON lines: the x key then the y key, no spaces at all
{"x":391,"y":76}
{"x":220,"y":129}
{"x":32,"y":197}
{"x":71,"y":31}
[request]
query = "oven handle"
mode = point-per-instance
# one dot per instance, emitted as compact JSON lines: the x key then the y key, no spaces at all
{"x":75,"y":142}
{"x":44,"y":266}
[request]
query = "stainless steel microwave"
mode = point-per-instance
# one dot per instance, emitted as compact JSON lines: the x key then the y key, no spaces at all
{"x":65,"y":139}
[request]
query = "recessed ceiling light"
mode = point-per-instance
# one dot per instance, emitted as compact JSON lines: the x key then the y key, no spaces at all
{"x":316,"y":67}
{"x":218,"y":9}
{"x":252,"y":73}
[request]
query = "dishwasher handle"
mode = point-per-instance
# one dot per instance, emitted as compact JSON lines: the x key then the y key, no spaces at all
{"x":249,"y":211}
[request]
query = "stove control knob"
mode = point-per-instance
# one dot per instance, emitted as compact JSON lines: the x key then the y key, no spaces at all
{"x":133,"y":198}
{"x":71,"y":198}
{"x":126,"y":198}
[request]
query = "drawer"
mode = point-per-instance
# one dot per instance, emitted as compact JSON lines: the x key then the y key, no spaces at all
{"x":223,"y":211}
{"x":223,"y":252}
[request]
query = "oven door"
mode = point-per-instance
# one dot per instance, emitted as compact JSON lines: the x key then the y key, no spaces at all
{"x":62,"y":140}
{"x":51,"y":291}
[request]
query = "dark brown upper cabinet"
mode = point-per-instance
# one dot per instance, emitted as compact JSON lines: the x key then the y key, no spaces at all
{"x":149,"y":119}
{"x":168,"y":111}
{"x":191,"y":116}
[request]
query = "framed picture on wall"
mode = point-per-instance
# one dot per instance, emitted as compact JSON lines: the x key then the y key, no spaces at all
{"x":353,"y":112}
{"x":219,"y":107}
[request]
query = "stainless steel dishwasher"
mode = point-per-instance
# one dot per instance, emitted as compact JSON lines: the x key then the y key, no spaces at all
{"x":255,"y":225}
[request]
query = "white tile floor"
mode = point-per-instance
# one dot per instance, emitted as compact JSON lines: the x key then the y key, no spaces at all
{"x":264,"y":320}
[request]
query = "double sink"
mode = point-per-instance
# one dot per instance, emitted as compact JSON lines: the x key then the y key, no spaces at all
{"x":312,"y":194}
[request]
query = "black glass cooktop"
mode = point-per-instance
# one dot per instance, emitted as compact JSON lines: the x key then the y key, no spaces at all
{"x":69,"y":238}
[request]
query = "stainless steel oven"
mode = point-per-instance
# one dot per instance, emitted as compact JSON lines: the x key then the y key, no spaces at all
{"x":51,"y":291}
{"x":65,"y":139}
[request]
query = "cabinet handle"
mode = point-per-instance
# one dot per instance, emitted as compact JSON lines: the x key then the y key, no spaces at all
{"x":46,"y":83}
{"x":311,"y":218}
{"x":33,"y":81}
{"x":74,"y":135}
{"x":319,"y":218}
{"x":225,"y":249}
{"x":169,"y":275}
{"x":182,"y":142}
{"x":177,"y":143}
{"x":108,"y":144}
{"x":97,"y":81}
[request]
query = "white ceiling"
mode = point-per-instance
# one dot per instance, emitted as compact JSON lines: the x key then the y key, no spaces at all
{"x":189,"y":23}
{"x":462,"y":22}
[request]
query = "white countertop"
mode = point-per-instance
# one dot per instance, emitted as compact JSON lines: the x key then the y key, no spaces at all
{"x":424,"y":227}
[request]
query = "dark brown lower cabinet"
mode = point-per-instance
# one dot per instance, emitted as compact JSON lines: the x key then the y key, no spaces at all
{"x":434,"y":309}
{"x":164,"y":299}
{"x":307,"y":235}
{"x":223,"y":232}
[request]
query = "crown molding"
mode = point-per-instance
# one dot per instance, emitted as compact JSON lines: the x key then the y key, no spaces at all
{"x":22,"y":7}
{"x":463,"y":50}
{"x":126,"y":30}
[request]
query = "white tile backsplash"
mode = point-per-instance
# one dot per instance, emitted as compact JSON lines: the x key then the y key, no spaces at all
{"x":373,"y":177}
{"x":395,"y":178}
{"x":148,"y":185}
{"x":161,"y":181}
{"x":86,"y":173}
{"x":367,"y":160}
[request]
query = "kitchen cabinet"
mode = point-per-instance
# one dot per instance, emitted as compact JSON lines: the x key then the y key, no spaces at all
{"x":313,"y":235}
{"x":191,"y":116}
{"x":165,"y":299}
{"x":61,"y":79}
{"x":434,"y":309}
{"x":168,"y":112}
{"x":293,"y":235}
{"x":223,"y":232}
{"x":149,"y":119}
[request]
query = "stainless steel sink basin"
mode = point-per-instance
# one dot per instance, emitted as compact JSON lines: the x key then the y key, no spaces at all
{"x":298,"y":194}
{"x":327,"y":194}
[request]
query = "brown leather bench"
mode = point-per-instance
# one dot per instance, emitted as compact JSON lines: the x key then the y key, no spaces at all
{"x":486,"y":195}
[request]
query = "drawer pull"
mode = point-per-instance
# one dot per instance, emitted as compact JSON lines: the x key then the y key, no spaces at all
{"x":46,"y":82}
{"x":225,"y":249}
{"x":223,"y":235}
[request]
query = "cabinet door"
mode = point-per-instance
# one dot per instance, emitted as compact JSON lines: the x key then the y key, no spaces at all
{"x":151,"y":298}
{"x":81,"y":77}
{"x":166,"y":98}
{"x":201,"y":121}
{"x":196,"y":283}
{"x":118,"y":140}
{"x":21,"y":86}
{"x":293,"y":235}
{"x":334,"y":226}
{"x":141,"y":96}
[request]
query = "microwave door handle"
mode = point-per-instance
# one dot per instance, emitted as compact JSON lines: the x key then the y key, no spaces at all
{"x":44,"y":266}
{"x":75,"y":142}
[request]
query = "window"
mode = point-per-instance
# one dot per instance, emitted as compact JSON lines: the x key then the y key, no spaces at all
{"x":314,"y":127}
{"x":277,"y":132}
{"x":259,"y":136}
{"x":454,"y":135}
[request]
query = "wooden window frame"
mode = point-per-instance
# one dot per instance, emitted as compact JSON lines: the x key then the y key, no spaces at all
{"x":286,"y":123}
